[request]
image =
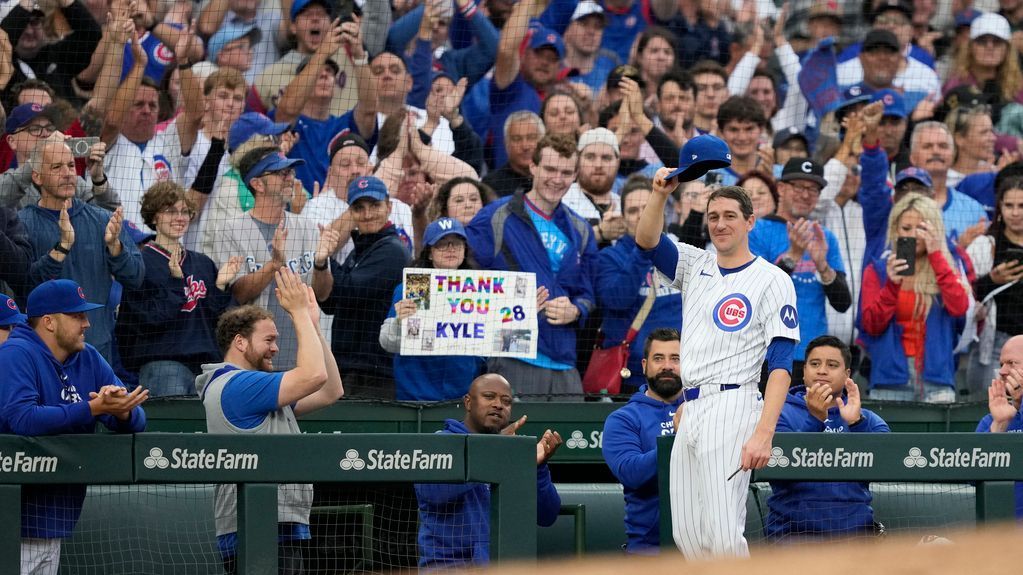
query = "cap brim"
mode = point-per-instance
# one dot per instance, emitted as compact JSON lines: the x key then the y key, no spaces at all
{"x":447,"y":233}
{"x":77,"y":309}
{"x":808,"y":177}
{"x":697,"y":170}
{"x":15,"y":319}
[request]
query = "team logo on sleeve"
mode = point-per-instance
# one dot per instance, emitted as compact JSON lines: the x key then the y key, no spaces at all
{"x":733,"y":312}
{"x":789,"y":317}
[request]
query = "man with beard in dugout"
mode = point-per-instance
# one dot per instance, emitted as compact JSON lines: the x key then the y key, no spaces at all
{"x":630,"y":439}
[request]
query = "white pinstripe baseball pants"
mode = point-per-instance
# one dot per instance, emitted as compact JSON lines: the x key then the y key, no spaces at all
{"x":708,"y":512}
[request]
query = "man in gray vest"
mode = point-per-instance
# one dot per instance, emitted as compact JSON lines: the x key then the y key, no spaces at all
{"x":244,"y":395}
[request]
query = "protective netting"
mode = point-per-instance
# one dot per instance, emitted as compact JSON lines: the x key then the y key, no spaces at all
{"x":165,"y":102}
{"x":822,"y":511}
{"x":354,"y":528}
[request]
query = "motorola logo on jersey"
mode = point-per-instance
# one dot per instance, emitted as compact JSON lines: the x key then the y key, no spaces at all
{"x":733,"y":312}
{"x":789,"y":317}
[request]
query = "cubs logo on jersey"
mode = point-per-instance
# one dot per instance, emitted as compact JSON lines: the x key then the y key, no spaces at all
{"x":162,"y":168}
{"x":163,"y":54}
{"x":733,"y":312}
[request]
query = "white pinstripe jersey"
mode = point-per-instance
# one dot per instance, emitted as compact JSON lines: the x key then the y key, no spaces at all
{"x":728,"y":320}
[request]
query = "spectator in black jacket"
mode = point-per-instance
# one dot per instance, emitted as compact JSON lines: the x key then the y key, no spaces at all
{"x":55,"y":63}
{"x":363,"y":286}
{"x":166,"y":328}
{"x":15,"y":252}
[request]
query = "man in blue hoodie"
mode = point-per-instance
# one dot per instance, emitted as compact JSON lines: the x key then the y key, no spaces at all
{"x":536,"y":232}
{"x":829,"y":401}
{"x":55,"y":383}
{"x":454,"y":518}
{"x":630,"y":439}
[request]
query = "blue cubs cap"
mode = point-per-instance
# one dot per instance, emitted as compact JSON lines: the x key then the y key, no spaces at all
{"x":251,"y":124}
{"x":855,"y":94}
{"x":228,"y":33}
{"x":272,"y":162}
{"x":58,"y":296}
{"x":894,"y":104}
{"x":367,"y":187}
{"x":22,"y":115}
{"x":9,"y":312}
{"x":700,"y":155}
{"x":914,"y":174}
{"x":543,"y":37}
{"x":298,"y":5}
{"x":966,"y":17}
{"x":441,"y":228}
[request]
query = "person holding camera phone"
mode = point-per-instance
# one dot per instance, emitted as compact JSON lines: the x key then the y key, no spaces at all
{"x":998,"y":262}
{"x":913,"y":307}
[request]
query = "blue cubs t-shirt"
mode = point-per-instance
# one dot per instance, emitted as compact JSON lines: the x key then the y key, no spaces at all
{"x":554,"y":240}
{"x":769,"y":240}
{"x":160,"y":56}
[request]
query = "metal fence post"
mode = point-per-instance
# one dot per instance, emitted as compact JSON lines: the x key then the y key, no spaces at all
{"x":257,"y":528}
{"x":10,"y":528}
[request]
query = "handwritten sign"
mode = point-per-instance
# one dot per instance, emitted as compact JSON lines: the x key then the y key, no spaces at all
{"x":470,"y":312}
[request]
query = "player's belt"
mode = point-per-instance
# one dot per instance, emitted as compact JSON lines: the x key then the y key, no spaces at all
{"x":694,"y":392}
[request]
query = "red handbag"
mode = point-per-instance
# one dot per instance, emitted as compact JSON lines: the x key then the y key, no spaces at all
{"x":609,"y":366}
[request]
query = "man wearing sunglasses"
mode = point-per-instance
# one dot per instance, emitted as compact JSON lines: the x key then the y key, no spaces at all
{"x":268,"y":237}
{"x":26,"y":126}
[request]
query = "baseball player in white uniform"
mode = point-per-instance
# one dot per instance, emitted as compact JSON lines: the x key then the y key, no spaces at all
{"x":737,"y":309}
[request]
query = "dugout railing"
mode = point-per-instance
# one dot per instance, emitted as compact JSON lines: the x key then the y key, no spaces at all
{"x":258,"y":464}
{"x":990,"y":462}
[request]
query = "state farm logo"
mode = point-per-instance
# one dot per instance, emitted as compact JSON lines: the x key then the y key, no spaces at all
{"x":957,"y":458}
{"x":579,"y":441}
{"x":156,"y":459}
{"x":184,"y":459}
{"x":778,"y":458}
{"x":21,"y":462}
{"x":352,"y":461}
{"x":397,"y":459}
{"x":838,"y":457}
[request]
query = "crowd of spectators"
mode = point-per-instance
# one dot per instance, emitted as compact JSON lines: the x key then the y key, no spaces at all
{"x":170,"y":156}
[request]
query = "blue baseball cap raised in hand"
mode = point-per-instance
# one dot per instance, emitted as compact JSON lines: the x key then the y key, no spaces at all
{"x":699,"y":156}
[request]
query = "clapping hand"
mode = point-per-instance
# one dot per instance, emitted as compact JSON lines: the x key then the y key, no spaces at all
{"x":850,"y":409}
{"x":112,"y":235}
{"x":116,"y":400}
{"x":227,"y":272}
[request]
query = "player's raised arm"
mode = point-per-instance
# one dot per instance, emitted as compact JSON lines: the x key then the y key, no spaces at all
{"x":651,"y":221}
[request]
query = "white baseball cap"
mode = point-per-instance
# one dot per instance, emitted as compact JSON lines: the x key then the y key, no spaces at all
{"x":990,"y":24}
{"x":586,"y":8}
{"x":598,"y":136}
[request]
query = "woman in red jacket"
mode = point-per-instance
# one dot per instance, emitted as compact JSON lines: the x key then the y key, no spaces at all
{"x":911,"y":323}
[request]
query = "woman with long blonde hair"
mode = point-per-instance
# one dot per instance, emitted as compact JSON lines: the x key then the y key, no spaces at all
{"x":989,"y":57}
{"x":911,"y":321}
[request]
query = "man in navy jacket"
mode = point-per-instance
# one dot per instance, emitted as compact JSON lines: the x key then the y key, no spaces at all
{"x":828,"y":402}
{"x":535,"y":232}
{"x":630,"y":439}
{"x":55,"y":383}
{"x":454,"y":519}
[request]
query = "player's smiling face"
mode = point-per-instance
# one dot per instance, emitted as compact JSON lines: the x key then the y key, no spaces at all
{"x":729,"y":230}
{"x":824,"y":365}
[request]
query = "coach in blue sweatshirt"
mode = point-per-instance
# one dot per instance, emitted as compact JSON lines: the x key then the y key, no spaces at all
{"x":829,"y":402}
{"x":630,"y":439}
{"x":55,"y":383}
{"x":454,"y":518}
